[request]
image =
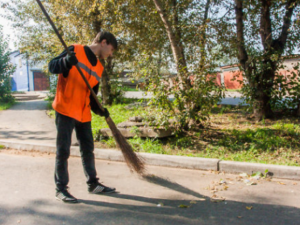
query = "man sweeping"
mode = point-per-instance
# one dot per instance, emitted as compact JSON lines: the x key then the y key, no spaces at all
{"x":73,"y":105}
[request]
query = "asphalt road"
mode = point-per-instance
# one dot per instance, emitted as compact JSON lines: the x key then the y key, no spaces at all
{"x":27,"y":190}
{"x":27,"y":196}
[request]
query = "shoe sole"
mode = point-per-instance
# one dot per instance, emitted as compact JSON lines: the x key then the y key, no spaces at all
{"x":72,"y":202}
{"x":103,"y":193}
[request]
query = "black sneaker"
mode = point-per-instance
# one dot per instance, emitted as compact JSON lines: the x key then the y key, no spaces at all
{"x":65,"y":196}
{"x":98,"y":188}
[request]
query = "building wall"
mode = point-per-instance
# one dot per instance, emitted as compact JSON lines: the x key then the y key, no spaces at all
{"x":19,"y":80}
{"x":23,"y":77}
{"x":231,"y":75}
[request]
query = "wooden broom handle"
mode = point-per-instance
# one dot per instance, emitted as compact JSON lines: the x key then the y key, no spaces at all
{"x":68,"y":51}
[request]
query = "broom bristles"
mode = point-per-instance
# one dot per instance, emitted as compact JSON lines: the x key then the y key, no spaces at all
{"x":132,"y":160}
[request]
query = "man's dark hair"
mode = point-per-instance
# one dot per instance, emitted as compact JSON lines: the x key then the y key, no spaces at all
{"x":109,"y":37}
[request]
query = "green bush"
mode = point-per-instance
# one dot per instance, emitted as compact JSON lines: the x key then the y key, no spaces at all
{"x":6,"y":70}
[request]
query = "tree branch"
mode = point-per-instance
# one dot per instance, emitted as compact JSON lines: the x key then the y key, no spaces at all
{"x":279,"y":44}
{"x":243,"y":56}
{"x":265,"y":25}
{"x":176,"y":46}
{"x":203,"y":34}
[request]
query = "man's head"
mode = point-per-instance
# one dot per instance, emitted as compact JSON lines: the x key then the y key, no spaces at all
{"x":105,"y":44}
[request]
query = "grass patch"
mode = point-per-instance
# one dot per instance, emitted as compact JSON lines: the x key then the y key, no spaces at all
{"x":5,"y":105}
{"x":232,"y":135}
{"x":2,"y":147}
{"x":129,"y":89}
{"x":233,"y":90}
{"x":118,"y":112}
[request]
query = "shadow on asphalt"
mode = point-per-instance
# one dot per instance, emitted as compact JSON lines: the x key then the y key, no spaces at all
{"x":97,"y":212}
{"x":134,"y":209}
{"x":171,"y":185}
{"x":30,"y":105}
{"x":24,"y":135}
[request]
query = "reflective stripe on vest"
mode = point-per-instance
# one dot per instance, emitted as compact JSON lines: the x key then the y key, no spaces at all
{"x":89,"y":71}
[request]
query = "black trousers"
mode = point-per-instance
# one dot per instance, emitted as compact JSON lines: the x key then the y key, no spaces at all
{"x":65,"y":126}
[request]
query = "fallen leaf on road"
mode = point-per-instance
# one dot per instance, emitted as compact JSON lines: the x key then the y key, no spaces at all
{"x":249,"y":182}
{"x":193,"y":202}
{"x":249,"y":207}
{"x":184,"y":206}
{"x":256,"y":177}
{"x":222,"y":181}
{"x":257,"y":174}
{"x":281,"y":183}
{"x":239,"y":217}
{"x":225,"y":188}
{"x":160,"y":204}
{"x":243,"y":175}
{"x":217,"y":199}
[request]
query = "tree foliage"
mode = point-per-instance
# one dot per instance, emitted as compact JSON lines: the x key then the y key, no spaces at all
{"x":171,"y":37}
{"x":155,"y":37}
{"x":260,"y":33}
{"x":6,"y":70}
{"x":77,"y":22}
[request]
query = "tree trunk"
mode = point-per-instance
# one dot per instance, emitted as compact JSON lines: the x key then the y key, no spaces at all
{"x":298,"y":109}
{"x":203,"y":35}
{"x":261,"y":105}
{"x":262,"y":82}
{"x":176,"y":44}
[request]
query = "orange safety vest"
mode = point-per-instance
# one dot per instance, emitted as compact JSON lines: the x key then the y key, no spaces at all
{"x":72,"y":97}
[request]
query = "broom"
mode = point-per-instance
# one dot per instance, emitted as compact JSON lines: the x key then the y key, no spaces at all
{"x":132,"y":160}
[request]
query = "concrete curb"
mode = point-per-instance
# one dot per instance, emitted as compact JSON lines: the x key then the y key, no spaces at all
{"x":286,"y":172}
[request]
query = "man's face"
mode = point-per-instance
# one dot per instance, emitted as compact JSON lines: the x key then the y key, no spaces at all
{"x":106,"y":50}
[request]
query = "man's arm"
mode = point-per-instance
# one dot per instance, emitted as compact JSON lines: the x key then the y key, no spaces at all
{"x":94,"y":106}
{"x":59,"y":64}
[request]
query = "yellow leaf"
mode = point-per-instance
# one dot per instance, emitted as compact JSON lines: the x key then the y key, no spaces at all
{"x":249,"y":207}
{"x":184,"y":206}
{"x":281,"y":183}
{"x":216,"y":199}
